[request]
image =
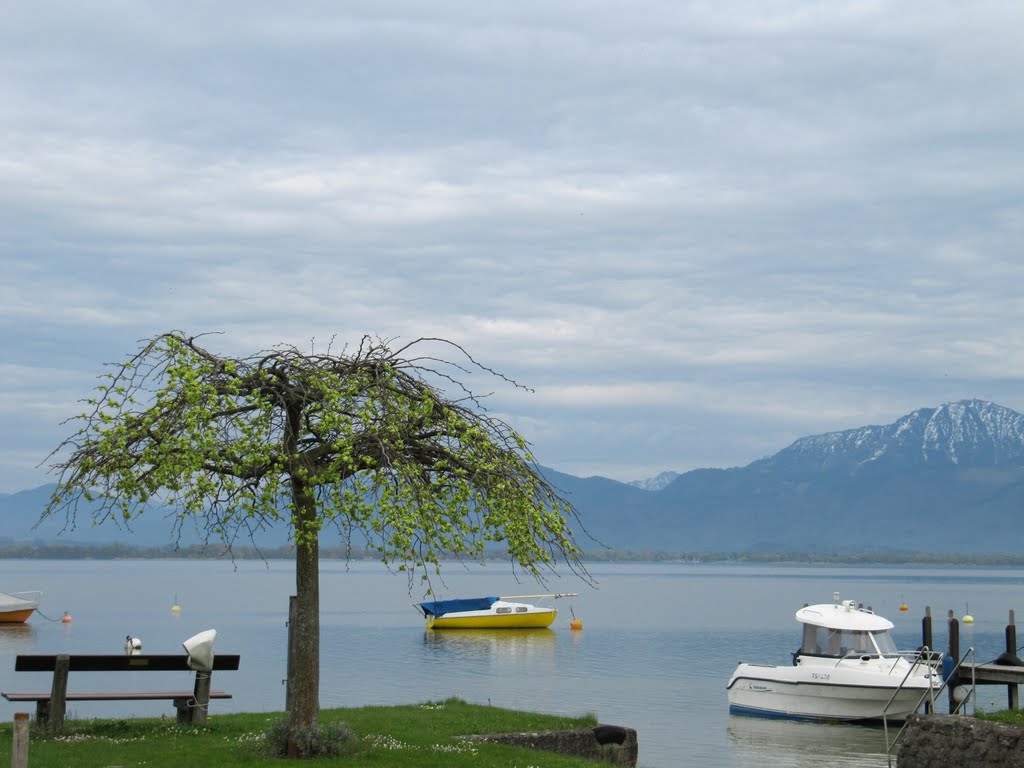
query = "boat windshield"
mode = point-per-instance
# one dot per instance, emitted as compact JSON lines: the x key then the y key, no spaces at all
{"x":840,"y":643}
{"x":885,"y":643}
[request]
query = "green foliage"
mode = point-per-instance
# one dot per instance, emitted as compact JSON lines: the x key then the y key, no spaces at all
{"x":364,"y":442}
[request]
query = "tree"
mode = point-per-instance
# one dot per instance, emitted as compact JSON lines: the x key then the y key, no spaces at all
{"x":366,"y":440}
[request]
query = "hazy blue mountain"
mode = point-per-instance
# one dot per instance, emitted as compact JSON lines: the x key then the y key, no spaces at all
{"x":942,"y":480}
{"x":19,"y":515}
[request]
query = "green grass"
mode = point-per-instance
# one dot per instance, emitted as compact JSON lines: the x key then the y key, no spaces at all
{"x":413,"y":736}
{"x":1009,"y":716}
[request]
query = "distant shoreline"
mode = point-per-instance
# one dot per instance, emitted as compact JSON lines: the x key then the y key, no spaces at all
{"x":37,"y":551}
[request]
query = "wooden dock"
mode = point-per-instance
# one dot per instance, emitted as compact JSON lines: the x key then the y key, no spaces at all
{"x":1009,"y":674}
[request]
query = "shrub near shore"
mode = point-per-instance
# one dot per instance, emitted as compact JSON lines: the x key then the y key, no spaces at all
{"x":413,"y":736}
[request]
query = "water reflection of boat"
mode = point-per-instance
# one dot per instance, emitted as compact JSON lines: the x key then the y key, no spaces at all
{"x":493,"y":642}
{"x":489,"y":612}
{"x":846,"y":669}
{"x":14,"y":638}
{"x":16,"y":607}
{"x":801,"y":744}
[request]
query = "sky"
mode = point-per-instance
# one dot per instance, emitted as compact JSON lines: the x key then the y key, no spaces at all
{"x":698,"y":231}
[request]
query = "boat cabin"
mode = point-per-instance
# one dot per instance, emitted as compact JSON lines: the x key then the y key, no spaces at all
{"x":843,"y":630}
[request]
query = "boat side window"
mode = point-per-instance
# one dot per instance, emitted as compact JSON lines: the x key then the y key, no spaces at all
{"x":812,"y":642}
{"x":821,"y":641}
{"x":503,"y":610}
{"x":521,"y":609}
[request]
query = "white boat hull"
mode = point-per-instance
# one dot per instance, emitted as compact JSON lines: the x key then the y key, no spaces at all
{"x":825,"y":693}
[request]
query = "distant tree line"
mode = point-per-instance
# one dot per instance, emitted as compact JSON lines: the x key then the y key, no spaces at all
{"x":121,"y":551}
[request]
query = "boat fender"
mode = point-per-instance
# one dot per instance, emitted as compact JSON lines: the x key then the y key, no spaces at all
{"x":947,"y":667}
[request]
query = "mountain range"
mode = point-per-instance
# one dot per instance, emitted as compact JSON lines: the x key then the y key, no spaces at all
{"x":941,"y":480}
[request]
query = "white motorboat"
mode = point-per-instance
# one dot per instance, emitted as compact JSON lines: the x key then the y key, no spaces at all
{"x":846,"y":669}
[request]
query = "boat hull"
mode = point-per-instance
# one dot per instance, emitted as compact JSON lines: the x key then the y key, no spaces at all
{"x":790,"y":693}
{"x":531,"y":620}
{"x":16,"y":617}
{"x":16,"y":607}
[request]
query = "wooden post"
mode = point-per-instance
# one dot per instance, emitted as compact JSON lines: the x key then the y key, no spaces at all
{"x":292,"y":609}
{"x":201,"y":697}
{"x":954,"y":651}
{"x":926,"y":642}
{"x":19,"y":749}
{"x":59,"y":692}
{"x":926,"y":629}
{"x":1011,"y":648}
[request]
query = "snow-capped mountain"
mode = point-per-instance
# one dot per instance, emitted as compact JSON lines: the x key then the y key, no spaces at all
{"x":656,"y":483}
{"x":969,"y":433}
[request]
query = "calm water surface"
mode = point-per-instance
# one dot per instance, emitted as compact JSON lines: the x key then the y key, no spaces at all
{"x":658,"y":645}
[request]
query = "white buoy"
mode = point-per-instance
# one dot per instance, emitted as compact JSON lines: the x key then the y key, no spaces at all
{"x":132,"y":645}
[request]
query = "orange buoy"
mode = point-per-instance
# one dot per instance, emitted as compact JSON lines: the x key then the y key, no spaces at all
{"x":904,"y":607}
{"x":66,"y":618}
{"x":575,"y":624}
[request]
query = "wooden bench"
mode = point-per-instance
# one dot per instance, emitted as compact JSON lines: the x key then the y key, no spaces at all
{"x":50,"y":707}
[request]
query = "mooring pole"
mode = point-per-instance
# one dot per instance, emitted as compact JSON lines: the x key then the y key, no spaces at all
{"x":926,"y":643}
{"x":292,"y":610}
{"x":1011,"y":649}
{"x":19,"y":749}
{"x":954,"y":651}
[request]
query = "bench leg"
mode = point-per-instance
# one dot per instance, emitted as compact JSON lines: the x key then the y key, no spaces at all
{"x":58,"y":692}
{"x":42,"y":711}
{"x":201,"y":694}
{"x":184,"y":707}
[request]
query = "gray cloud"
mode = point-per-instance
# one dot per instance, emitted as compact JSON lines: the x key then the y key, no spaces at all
{"x":697,"y":230}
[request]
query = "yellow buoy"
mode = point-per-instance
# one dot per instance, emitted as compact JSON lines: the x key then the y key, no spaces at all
{"x":968,"y":619}
{"x":576,"y":624}
{"x":175,"y":608}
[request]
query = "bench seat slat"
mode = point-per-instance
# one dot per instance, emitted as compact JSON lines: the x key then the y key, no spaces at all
{"x":112,"y":695}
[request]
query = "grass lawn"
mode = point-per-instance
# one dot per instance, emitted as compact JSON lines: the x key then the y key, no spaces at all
{"x":420,"y":736}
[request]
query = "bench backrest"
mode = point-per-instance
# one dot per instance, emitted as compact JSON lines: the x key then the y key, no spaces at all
{"x":80,"y":662}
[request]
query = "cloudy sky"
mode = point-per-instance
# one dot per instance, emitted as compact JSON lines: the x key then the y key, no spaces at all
{"x":698,"y":230}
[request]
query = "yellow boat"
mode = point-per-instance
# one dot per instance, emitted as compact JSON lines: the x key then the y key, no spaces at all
{"x":489,"y":613}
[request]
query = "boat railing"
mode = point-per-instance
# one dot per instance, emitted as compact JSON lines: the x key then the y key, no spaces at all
{"x":930,"y":694}
{"x":861,"y":655}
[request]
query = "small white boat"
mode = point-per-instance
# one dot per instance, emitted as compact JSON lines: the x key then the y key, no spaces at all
{"x":489,"y":613}
{"x":16,"y":607}
{"x":847,"y":669}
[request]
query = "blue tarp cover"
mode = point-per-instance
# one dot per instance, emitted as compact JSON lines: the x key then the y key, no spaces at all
{"x":441,"y":607}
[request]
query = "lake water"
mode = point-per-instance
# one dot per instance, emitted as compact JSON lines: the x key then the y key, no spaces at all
{"x":657,"y":648}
